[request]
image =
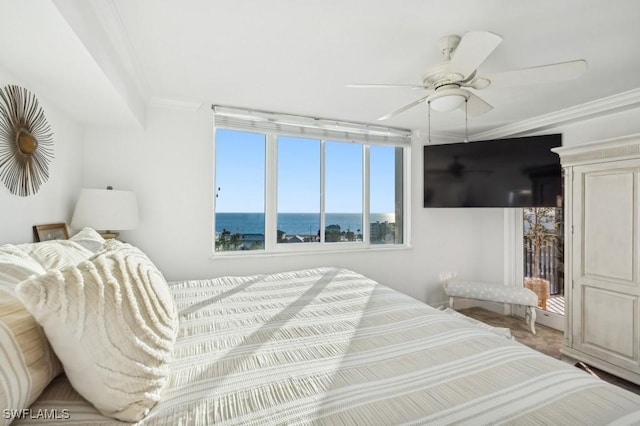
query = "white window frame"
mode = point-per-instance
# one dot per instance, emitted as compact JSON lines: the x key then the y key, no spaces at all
{"x":513,"y":247}
{"x":273,"y":125}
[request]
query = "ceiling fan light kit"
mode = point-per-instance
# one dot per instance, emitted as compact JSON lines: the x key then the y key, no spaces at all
{"x":447,"y":103}
{"x":465,"y":100}
{"x":448,"y":98}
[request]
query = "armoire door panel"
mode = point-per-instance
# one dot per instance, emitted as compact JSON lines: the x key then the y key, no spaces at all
{"x":609,"y":322}
{"x":608,"y":228}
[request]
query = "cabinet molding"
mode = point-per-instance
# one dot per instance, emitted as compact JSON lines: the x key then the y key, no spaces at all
{"x":599,"y":151}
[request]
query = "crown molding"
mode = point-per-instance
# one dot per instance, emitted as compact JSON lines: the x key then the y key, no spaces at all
{"x":599,"y":107}
{"x":107,"y":13}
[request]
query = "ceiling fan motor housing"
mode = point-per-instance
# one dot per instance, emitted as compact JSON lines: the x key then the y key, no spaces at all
{"x":440,"y":75}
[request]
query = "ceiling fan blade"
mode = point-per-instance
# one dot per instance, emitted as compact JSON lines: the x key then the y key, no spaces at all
{"x":536,"y":75}
{"x":473,"y":49}
{"x":476,"y":106}
{"x":403,"y":109}
{"x":385,"y":86}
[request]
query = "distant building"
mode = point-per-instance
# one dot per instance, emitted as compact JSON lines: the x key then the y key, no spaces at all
{"x":295,"y":239}
{"x":252,"y":242}
{"x":383,"y":232}
{"x":284,"y":238}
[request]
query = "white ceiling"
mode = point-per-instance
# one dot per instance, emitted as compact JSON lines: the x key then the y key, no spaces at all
{"x":103,"y":61}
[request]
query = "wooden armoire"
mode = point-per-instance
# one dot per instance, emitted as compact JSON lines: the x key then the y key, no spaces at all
{"x":602,"y":254}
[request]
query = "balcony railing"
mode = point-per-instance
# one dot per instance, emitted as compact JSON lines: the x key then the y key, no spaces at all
{"x":551,"y":264}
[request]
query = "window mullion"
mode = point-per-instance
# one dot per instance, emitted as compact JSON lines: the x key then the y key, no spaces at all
{"x":402,"y":194}
{"x":366,"y":204}
{"x":271,"y":192}
{"x":322,"y":190}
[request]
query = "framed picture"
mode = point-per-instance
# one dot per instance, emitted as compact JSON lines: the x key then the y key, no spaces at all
{"x":52,"y":231}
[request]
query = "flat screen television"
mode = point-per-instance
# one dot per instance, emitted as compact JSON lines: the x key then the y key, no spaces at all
{"x":514,"y":172}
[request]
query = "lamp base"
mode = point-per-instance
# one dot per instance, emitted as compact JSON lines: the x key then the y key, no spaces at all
{"x":109,"y":234}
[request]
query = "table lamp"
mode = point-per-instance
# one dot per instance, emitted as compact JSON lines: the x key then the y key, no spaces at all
{"x":106,"y":210}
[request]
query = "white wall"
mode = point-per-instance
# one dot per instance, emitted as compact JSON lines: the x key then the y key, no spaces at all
{"x":169,"y":166}
{"x":55,"y":200}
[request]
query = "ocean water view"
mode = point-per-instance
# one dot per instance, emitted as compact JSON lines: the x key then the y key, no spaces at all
{"x":295,"y":223}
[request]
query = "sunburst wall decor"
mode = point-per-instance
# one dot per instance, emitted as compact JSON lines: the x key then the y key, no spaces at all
{"x":26,"y":141}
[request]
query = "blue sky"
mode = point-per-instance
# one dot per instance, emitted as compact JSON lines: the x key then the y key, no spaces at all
{"x":240,"y":169}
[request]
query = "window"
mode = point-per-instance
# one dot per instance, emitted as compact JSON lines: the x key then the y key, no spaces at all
{"x":343,"y":192}
{"x":286,"y":184}
{"x":240,"y":172}
{"x":298,"y":190}
{"x":386,"y":195}
{"x":543,"y":252}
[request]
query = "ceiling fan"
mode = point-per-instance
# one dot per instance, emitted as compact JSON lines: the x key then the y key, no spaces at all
{"x":451,"y":80}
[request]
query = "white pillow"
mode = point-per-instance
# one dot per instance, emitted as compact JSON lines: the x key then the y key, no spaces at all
{"x":56,"y":254}
{"x":112,"y":322}
{"x":27,"y":362}
{"x":89,"y":239}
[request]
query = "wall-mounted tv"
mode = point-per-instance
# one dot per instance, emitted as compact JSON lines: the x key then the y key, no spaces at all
{"x":514,"y":172}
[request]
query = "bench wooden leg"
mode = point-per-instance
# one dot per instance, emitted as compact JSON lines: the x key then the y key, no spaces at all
{"x":530,"y":318}
{"x":451,"y":302}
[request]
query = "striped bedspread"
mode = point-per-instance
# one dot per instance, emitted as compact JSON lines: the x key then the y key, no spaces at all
{"x":330,"y":346}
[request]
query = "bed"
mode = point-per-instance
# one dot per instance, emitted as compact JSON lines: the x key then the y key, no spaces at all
{"x":331,"y":346}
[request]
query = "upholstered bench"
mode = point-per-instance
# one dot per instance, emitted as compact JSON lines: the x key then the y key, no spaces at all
{"x":495,"y":293}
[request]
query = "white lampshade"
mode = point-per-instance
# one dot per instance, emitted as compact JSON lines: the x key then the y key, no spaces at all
{"x":447,"y":103}
{"x":106,"y":209}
